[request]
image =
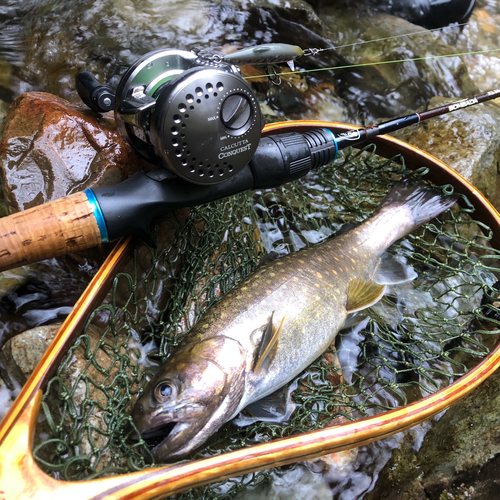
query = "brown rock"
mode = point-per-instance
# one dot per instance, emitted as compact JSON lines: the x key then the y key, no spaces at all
{"x":22,"y":353}
{"x":468,"y":140}
{"x":51,"y":148}
{"x":95,"y":387}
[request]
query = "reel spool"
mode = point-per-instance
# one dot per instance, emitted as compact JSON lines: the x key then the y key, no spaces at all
{"x":193,"y":113}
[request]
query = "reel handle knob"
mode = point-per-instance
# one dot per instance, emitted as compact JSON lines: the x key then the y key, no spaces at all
{"x":96,"y":96}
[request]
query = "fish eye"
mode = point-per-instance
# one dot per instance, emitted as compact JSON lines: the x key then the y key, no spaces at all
{"x":165,"y":390}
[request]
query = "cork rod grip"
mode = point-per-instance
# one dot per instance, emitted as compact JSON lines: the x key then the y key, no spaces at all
{"x":59,"y":227}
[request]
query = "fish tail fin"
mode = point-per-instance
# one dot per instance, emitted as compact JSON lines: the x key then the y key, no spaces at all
{"x":422,"y":201}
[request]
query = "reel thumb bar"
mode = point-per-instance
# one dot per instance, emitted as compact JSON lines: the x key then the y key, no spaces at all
{"x":98,"y":215}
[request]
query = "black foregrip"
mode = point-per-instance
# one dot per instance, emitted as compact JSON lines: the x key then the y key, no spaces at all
{"x":129,"y":207}
{"x":285,"y":157}
{"x":269,"y":163}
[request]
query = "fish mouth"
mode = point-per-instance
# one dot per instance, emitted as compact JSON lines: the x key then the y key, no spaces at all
{"x":173,"y":440}
{"x":158,"y":435}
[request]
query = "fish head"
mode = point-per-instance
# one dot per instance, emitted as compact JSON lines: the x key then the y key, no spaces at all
{"x":195,"y":391}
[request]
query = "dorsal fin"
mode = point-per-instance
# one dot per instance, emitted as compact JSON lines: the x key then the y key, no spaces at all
{"x":268,"y":342}
{"x":362,"y":294}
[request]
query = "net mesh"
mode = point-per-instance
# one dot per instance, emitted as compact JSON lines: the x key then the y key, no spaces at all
{"x":418,"y":339}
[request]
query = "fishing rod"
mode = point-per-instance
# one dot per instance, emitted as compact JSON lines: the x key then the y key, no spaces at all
{"x":195,"y":116}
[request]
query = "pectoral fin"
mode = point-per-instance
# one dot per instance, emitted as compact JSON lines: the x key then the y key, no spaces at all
{"x":362,"y":294}
{"x":267,"y":345}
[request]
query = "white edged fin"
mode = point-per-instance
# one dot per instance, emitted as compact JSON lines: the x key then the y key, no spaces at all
{"x":353,"y":320}
{"x":273,"y":406}
{"x":362,"y":294}
{"x":268,"y":343}
{"x":393,"y":270}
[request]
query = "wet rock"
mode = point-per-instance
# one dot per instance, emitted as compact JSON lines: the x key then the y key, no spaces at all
{"x":459,"y":457}
{"x":12,"y":279}
{"x":390,"y":90}
{"x":481,"y":33}
{"x":22,"y":353}
{"x":89,"y":383}
{"x":50,"y":149}
{"x":468,"y":140}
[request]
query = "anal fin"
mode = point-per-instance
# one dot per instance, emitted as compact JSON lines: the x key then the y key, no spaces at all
{"x":362,"y":294}
{"x":273,"y":406}
{"x":393,"y":270}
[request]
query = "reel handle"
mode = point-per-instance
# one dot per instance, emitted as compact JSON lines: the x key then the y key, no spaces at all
{"x":59,"y":227}
{"x":95,"y":95}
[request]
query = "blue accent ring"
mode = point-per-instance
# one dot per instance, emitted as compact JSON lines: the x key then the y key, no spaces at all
{"x":101,"y":224}
{"x":335,"y":142}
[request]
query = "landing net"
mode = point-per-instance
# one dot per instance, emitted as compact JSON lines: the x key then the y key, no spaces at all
{"x":418,"y":339}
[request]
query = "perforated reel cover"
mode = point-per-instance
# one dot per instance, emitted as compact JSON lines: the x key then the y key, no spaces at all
{"x":206,"y":122}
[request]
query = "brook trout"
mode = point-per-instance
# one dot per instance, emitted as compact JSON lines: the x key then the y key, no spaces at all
{"x":275,"y":323}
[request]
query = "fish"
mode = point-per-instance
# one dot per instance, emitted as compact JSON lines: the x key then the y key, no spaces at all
{"x":275,"y":323}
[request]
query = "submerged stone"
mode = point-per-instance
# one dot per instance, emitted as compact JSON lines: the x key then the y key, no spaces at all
{"x":22,"y":353}
{"x":50,"y":148}
{"x":89,"y":384}
{"x":481,"y":33}
{"x":459,"y":456}
{"x":468,"y":140}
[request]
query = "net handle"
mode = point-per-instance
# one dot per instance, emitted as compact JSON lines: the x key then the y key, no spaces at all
{"x":20,"y":476}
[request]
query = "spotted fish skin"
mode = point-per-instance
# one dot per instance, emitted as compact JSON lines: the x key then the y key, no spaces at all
{"x":294,"y":305}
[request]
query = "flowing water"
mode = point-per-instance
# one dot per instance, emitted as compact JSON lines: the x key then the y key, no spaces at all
{"x":45,"y":43}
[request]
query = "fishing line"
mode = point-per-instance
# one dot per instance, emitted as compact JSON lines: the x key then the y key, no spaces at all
{"x":375,"y":63}
{"x":362,"y":42}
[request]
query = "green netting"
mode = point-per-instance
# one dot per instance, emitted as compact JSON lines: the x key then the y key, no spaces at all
{"x":419,"y":338}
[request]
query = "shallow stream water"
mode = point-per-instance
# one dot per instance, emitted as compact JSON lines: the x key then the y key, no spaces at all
{"x":45,"y":43}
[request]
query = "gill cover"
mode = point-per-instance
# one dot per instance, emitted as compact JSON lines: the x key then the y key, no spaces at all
{"x":193,"y":394}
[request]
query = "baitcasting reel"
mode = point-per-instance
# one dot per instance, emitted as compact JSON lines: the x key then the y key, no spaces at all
{"x":192,"y":112}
